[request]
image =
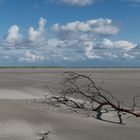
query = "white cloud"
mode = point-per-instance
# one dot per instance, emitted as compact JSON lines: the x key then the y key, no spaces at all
{"x":106,"y":43}
{"x":89,"y":52}
{"x":76,"y":2}
{"x":64,"y":50}
{"x":120,"y":44}
{"x":133,"y":53}
{"x":38,"y":34}
{"x":13,"y":36}
{"x":123,"y":44}
{"x":14,"y":39}
{"x":101,"y":27}
{"x":128,"y":56}
{"x":110,"y":55}
{"x":55,"y":42}
{"x":30,"y":56}
{"x":70,"y":42}
{"x":107,"y":49}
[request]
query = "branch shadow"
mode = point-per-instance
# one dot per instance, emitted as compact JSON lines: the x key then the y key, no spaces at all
{"x":99,"y":117}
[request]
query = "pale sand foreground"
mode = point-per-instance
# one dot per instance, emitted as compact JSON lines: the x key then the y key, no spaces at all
{"x":26,"y":120}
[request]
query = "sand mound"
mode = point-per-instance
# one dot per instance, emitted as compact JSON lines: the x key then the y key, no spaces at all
{"x":15,"y":94}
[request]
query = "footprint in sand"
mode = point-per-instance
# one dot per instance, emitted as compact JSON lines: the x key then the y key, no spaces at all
{"x":44,"y":136}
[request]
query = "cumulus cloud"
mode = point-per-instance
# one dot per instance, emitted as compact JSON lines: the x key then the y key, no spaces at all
{"x":107,"y":50}
{"x":31,"y":56}
{"x":120,"y":44}
{"x":105,"y":43}
{"x":74,"y":41}
{"x":123,"y":44}
{"x":133,"y":53}
{"x":89,"y":51}
{"x":85,"y":35}
{"x":37,"y":34}
{"x":128,"y":56}
{"x":110,"y":55}
{"x":13,"y":37}
{"x":101,"y":27}
{"x":76,"y":2}
{"x":65,"y":50}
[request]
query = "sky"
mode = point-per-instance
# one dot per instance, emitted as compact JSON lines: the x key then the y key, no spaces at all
{"x":71,"y":33}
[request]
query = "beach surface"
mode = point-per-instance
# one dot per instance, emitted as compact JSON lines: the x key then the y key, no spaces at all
{"x":22,"y":117}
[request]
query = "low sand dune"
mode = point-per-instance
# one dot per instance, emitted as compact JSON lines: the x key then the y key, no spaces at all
{"x":16,"y":94}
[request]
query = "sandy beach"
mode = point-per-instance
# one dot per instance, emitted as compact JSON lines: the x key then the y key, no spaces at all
{"x":22,"y":117}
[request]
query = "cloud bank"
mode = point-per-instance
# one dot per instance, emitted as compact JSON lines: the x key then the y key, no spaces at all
{"x":73,"y":41}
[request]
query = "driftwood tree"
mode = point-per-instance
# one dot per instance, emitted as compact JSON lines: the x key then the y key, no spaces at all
{"x":81,"y":92}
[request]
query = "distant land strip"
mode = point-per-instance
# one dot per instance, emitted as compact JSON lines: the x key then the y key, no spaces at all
{"x":45,"y":67}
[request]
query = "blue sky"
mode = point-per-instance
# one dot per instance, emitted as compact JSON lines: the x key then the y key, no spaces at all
{"x":83,"y":33}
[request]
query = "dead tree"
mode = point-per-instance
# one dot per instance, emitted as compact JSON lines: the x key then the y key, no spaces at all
{"x":81,"y":91}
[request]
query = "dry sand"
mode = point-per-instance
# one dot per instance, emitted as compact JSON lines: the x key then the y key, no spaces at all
{"x":21,"y":118}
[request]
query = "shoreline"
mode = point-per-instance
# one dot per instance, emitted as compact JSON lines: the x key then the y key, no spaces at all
{"x":45,"y":70}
